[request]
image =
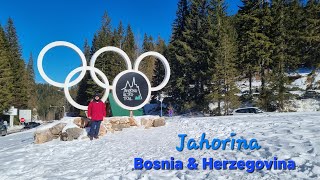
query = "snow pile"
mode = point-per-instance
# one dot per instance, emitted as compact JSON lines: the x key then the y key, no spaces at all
{"x":303,"y":105}
{"x":307,"y":80}
{"x":299,"y":93}
{"x":316,"y":79}
{"x":67,"y":120}
{"x":301,"y":83}
{"x":15,"y":128}
{"x":284,"y":135}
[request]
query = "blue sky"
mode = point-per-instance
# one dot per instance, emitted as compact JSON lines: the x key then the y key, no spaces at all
{"x":40,"y":22}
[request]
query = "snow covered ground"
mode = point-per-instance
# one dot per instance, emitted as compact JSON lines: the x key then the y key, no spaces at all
{"x":285,"y":135}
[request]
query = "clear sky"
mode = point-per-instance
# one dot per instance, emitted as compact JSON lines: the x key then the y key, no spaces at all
{"x":40,"y":22}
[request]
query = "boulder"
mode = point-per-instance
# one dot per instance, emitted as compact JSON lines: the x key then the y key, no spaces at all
{"x":147,"y":123}
{"x":108,"y":126}
{"x":81,"y":122}
{"x":64,"y":136}
{"x":159,"y":122}
{"x":57,"y":129}
{"x":124,"y":121}
{"x":102,"y":130}
{"x":117,"y":127}
{"x":43,"y":136}
{"x":71,"y":134}
{"x":114,"y":121}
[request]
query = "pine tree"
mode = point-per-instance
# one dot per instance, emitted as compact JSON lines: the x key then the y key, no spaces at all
{"x":194,"y":59}
{"x":293,"y":21}
{"x":20,"y":97}
{"x":148,"y":63}
{"x":129,"y":45}
{"x":5,"y":74}
{"x":104,"y":62}
{"x":311,"y":37}
{"x":159,"y":71}
{"x":117,"y":63}
{"x":119,"y":36}
{"x":32,"y":101}
{"x":83,"y":97}
{"x":246,"y":26}
{"x":225,"y":49}
{"x":178,"y":86}
{"x":254,"y":27}
{"x":284,"y":37}
{"x":188,"y":52}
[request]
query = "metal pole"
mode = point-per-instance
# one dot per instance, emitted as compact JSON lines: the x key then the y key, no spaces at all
{"x":11,"y":120}
{"x":161,"y":110}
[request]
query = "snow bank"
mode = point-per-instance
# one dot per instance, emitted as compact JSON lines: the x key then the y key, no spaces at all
{"x":67,"y":120}
{"x":303,"y":105}
{"x":300,"y":83}
{"x":284,"y":135}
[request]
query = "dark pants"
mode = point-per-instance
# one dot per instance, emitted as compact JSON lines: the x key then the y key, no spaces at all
{"x":94,"y":128}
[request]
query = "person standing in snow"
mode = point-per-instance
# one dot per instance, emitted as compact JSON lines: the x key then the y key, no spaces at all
{"x":96,"y":114}
{"x":170,"y":111}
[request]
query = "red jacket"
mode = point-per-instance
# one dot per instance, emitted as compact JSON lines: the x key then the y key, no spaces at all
{"x":96,"y":110}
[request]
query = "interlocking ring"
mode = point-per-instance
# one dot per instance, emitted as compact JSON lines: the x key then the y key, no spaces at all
{"x":66,"y":44}
{"x":131,"y":88}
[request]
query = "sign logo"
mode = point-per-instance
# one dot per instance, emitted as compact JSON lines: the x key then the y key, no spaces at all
{"x":131,"y":92}
{"x":131,"y":88}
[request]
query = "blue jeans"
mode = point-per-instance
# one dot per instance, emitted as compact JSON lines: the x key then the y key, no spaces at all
{"x":94,"y":128}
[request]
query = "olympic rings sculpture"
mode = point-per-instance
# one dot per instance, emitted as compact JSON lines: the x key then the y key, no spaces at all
{"x":105,"y":84}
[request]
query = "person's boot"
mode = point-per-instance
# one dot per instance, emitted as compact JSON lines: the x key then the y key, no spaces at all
{"x":97,"y":137}
{"x":91,"y":138}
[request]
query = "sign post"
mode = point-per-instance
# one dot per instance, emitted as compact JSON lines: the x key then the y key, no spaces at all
{"x":11,"y":112}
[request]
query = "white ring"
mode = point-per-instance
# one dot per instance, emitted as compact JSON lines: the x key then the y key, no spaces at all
{"x":105,"y":49}
{"x":164,"y":62}
{"x":66,"y":44}
{"x":72,"y":73}
{"x":114,"y":92}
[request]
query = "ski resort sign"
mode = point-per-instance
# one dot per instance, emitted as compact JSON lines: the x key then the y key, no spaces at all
{"x":131,"y":88}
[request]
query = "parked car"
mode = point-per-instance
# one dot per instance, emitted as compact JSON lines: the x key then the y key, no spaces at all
{"x":247,"y":110}
{"x":72,"y":114}
{"x":31,"y":125}
{"x":3,"y":129}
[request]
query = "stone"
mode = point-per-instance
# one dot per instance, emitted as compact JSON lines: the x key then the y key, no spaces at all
{"x":117,"y":127}
{"x":114,"y":121}
{"x":81,"y":122}
{"x":43,"y":136}
{"x":102,"y":130}
{"x":147,"y":123}
{"x":124,"y":121}
{"x":132,"y":121}
{"x":57,"y":129}
{"x":64,"y":136}
{"x":73,"y":133}
{"x":159,"y":122}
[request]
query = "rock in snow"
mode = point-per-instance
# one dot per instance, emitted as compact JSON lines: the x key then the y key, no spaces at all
{"x":69,"y":129}
{"x":43,"y":136}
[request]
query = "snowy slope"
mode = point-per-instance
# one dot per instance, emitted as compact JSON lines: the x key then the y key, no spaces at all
{"x":285,"y":135}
